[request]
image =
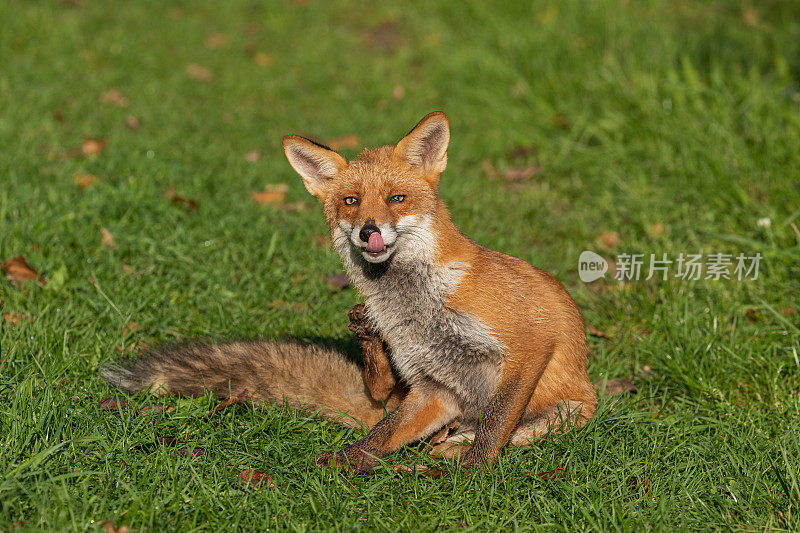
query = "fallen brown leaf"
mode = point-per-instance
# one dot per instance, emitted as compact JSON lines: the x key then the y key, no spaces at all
{"x":114,"y":97}
{"x":272,"y":194}
{"x":385,"y":37}
{"x":58,"y":115}
{"x":488,"y":168}
{"x":788,"y":311}
{"x":84,"y":180}
{"x":261,"y":59}
{"x":17,"y":270}
{"x":93,"y":146}
{"x":521,"y":173}
{"x":657,"y":229}
{"x":345,"y":141}
{"x":337,"y":281}
{"x":614,"y":387}
{"x":296,"y":207}
{"x":129,"y":328}
{"x":255,"y":478}
{"x":750,"y":17}
{"x":610,"y":238}
{"x":422,"y":470}
{"x":132,"y":122}
{"x":113,"y":404}
{"x":199,"y":73}
{"x":237,"y":399}
{"x":558,"y":473}
{"x":216,"y":40}
{"x":521,"y":152}
{"x":398,"y":92}
{"x":195,"y":452}
{"x":180,"y":201}
{"x":148,"y":410}
{"x":596,"y":332}
{"x":252,"y":156}
{"x":107,"y":239}
{"x":14,"y":318}
{"x":111,"y":528}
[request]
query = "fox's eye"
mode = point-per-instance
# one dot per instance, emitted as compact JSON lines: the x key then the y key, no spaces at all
{"x":397,"y":198}
{"x":350,"y":200}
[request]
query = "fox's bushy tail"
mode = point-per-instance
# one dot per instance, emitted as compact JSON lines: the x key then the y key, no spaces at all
{"x":299,"y":376}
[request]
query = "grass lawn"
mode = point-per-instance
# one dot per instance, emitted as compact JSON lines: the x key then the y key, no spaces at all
{"x":133,"y":134}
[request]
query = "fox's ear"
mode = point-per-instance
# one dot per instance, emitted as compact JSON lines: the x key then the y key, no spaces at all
{"x":425,"y":147}
{"x":316,"y":164}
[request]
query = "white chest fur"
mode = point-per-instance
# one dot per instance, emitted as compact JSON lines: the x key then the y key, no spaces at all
{"x":405,"y":299}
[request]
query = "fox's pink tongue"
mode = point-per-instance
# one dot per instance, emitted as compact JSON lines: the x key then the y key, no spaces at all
{"x":375,"y":243}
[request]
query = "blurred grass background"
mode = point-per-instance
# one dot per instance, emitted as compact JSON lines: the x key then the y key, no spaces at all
{"x":675,"y":125}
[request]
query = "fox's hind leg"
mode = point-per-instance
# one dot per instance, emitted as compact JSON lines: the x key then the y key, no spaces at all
{"x":557,"y":418}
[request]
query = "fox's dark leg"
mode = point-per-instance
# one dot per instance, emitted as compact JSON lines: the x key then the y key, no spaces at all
{"x":505,"y":409}
{"x":378,"y":374}
{"x":420,"y":414}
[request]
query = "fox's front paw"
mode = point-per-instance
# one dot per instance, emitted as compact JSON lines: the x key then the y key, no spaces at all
{"x":472,"y":462}
{"x":360,"y":324}
{"x":352,"y":459}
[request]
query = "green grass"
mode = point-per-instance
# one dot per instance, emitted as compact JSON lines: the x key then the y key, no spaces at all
{"x":683,"y":114}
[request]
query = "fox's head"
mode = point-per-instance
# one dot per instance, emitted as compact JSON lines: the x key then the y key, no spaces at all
{"x":381,"y":204}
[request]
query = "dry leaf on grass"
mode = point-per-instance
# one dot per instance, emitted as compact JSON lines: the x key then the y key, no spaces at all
{"x":216,"y":40}
{"x":132,"y":122}
{"x":114,"y":97}
{"x":252,"y":156}
{"x":113,"y":404}
{"x":422,"y":470}
{"x":385,"y":37}
{"x":657,"y":229}
{"x":111,"y":528}
{"x":521,"y":173}
{"x":255,"y":478}
{"x":558,"y":473}
{"x":614,"y":387}
{"x":14,"y":318}
{"x":596,"y":332}
{"x":58,"y":115}
{"x":17,"y":270}
{"x":521,"y":151}
{"x":488,"y":168}
{"x":337,"y":281}
{"x":261,"y":59}
{"x":610,"y":238}
{"x":398,"y":92}
{"x":271,"y":195}
{"x":107,"y":239}
{"x":180,"y":201}
{"x":148,"y":410}
{"x":345,"y":141}
{"x":199,"y":73}
{"x":129,"y":328}
{"x":93,"y":146}
{"x":84,"y":180}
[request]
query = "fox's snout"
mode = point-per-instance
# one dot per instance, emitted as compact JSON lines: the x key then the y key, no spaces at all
{"x":367,"y":230}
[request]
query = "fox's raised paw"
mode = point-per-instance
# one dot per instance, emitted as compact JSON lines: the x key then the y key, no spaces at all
{"x":360,"y":324}
{"x":351,"y":459}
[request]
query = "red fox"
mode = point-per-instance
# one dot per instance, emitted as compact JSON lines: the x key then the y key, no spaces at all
{"x":459,"y":341}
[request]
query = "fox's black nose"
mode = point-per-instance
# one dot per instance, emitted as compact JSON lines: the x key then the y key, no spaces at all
{"x":368,"y":229}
